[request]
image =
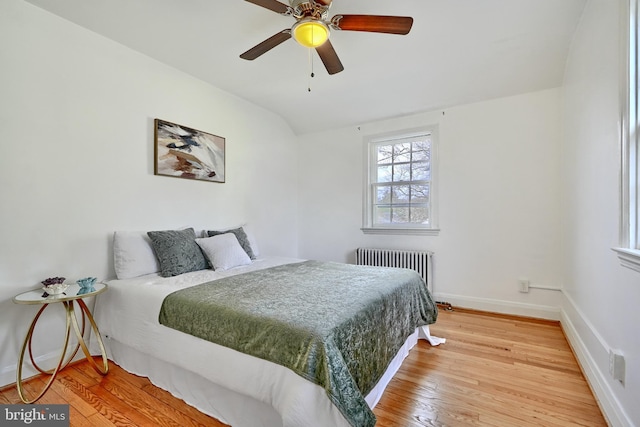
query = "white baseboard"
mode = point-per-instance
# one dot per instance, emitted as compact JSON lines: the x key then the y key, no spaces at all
{"x":573,"y":321}
{"x":9,"y":374}
{"x":499,"y":306}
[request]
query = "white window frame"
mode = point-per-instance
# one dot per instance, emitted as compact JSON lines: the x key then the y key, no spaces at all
{"x":370,"y":159}
{"x":629,"y":250}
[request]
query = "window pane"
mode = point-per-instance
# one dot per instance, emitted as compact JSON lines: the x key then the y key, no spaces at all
{"x":422,"y":150}
{"x":420,"y":215}
{"x":420,"y":171}
{"x":382,"y":215}
{"x":400,"y":194}
{"x":400,"y":215}
{"x":385,"y":173}
{"x":419,"y":194}
{"x":402,"y":152}
{"x":383,"y":195}
{"x":402,"y":172}
{"x":385,"y":154}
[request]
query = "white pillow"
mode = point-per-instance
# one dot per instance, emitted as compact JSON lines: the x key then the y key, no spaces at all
{"x":223,"y":251}
{"x":133,"y":254}
{"x":250,"y":237}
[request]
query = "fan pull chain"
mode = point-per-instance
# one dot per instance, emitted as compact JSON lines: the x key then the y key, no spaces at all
{"x":312,"y":74}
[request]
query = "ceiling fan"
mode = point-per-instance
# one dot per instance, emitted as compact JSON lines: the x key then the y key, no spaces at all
{"x":312,"y":28}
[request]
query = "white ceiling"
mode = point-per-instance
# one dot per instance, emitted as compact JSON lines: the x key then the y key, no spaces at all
{"x":458,"y":51}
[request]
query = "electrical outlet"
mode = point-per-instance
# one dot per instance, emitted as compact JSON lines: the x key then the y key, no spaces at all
{"x":523,"y":285}
{"x":616,"y":365}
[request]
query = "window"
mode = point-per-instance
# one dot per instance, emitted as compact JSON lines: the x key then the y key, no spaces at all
{"x":399,"y":185}
{"x":629,"y":252}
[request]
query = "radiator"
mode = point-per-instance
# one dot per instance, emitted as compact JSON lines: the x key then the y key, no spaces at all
{"x":420,"y":261}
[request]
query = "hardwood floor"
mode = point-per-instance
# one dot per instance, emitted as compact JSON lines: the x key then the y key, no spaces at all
{"x":494,"y":370}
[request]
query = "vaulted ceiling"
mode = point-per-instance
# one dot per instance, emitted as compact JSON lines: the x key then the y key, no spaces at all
{"x":458,"y":51}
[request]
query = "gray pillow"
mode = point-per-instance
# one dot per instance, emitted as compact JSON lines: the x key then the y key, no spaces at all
{"x":241,"y":236}
{"x":177,"y":251}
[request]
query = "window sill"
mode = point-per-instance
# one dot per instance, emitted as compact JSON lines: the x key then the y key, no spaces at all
{"x":629,"y":258}
{"x":402,"y":231}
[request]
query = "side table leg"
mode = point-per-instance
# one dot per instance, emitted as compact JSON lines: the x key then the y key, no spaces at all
{"x":27,"y":343}
{"x":104,"y":369}
{"x":69,"y":359}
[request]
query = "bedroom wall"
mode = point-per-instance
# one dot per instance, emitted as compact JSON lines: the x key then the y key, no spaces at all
{"x":499,"y":201}
{"x":76,"y":120}
{"x":600,"y":309}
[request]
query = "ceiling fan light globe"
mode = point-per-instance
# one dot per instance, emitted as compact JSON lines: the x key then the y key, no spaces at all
{"x":310,"y":33}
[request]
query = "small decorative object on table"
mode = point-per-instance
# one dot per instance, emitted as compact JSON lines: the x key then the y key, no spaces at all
{"x":54,"y":286}
{"x":86,"y":285}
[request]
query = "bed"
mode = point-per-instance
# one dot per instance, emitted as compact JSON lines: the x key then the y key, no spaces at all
{"x":241,"y":380}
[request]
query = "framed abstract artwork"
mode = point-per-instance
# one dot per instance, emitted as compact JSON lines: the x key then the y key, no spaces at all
{"x":184,"y":152}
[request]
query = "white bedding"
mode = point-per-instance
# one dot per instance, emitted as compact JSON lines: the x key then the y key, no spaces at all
{"x":236,"y":388}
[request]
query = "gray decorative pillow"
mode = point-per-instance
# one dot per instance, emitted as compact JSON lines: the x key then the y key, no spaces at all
{"x":241,"y":236}
{"x":177,"y":251}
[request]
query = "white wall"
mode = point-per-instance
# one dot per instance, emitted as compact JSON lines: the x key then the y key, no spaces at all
{"x":76,"y":114}
{"x":601,"y":307}
{"x":499,"y":201}
{"x":76,"y":161}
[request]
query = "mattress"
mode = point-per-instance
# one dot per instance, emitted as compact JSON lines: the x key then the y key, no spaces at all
{"x":236,"y":388}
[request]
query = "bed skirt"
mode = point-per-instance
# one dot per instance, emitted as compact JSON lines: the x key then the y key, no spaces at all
{"x":240,"y":410}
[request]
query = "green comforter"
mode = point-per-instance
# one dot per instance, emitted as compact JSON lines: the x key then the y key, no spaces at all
{"x":337,"y":325}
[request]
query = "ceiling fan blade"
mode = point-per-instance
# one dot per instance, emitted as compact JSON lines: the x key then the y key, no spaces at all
{"x":329,"y":58}
{"x":374,"y":23}
{"x":267,"y":45}
{"x":274,"y":5}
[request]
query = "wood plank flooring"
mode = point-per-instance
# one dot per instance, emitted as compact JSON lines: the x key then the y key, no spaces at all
{"x":494,"y":370}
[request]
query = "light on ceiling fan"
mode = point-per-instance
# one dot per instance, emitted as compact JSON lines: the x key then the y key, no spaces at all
{"x":310,"y":33}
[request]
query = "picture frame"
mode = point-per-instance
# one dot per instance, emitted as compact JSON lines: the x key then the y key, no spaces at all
{"x":184,"y":152}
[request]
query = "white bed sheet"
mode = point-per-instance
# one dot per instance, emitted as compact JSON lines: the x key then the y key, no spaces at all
{"x":236,"y":388}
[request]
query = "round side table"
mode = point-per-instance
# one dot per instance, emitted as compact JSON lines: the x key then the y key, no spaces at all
{"x":73,"y":294}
